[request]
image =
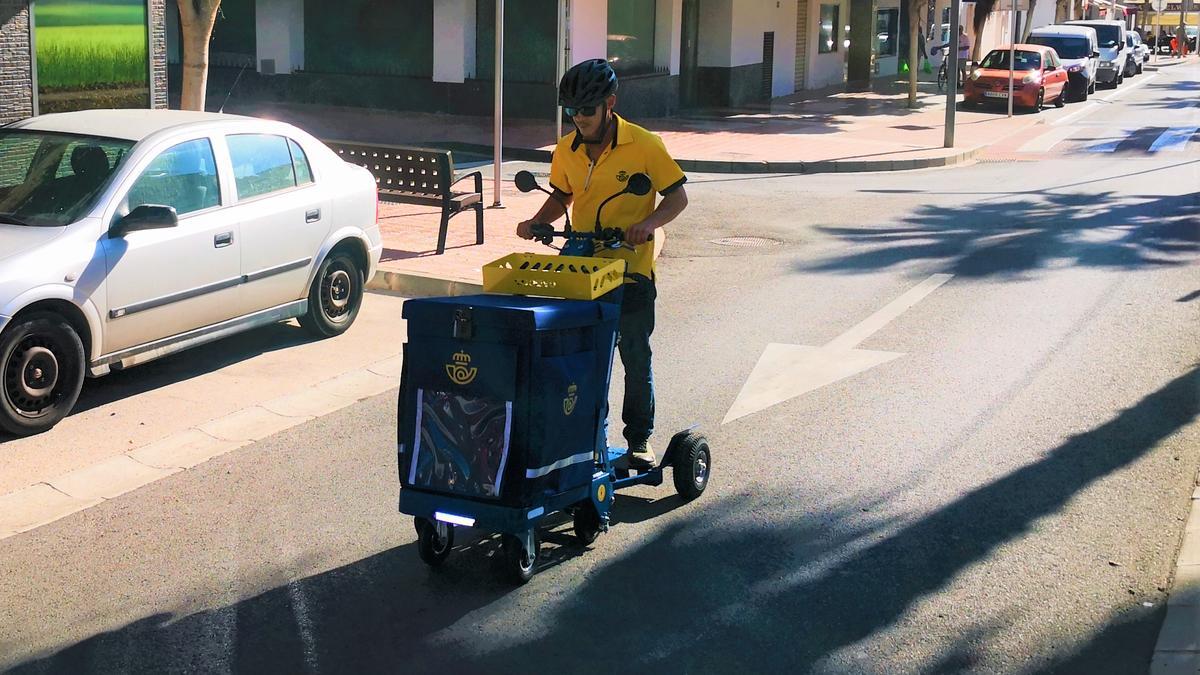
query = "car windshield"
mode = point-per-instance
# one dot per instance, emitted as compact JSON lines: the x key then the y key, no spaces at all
{"x":50,"y":179}
{"x":1109,"y":36}
{"x":1067,"y":47}
{"x":998,"y":58}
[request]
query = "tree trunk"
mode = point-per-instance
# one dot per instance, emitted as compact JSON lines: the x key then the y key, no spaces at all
{"x":914,"y":22}
{"x":196,"y":19}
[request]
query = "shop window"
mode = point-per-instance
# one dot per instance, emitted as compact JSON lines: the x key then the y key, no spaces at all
{"x":886,"y":24}
{"x":827,"y":30}
{"x":631,"y":36}
{"x":369,"y":37}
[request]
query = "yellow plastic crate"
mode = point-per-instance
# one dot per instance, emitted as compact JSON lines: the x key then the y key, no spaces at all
{"x":555,"y":276}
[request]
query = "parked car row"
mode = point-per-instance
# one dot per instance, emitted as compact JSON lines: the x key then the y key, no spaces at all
{"x":126,"y":235}
{"x":1058,"y":63}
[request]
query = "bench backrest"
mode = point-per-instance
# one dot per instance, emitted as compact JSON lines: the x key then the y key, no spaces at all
{"x":425,"y":171}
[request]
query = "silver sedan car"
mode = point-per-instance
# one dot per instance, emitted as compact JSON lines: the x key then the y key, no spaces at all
{"x":126,"y":235}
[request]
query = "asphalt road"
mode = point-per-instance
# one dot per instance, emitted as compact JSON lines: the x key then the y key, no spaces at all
{"x":1006,"y":496}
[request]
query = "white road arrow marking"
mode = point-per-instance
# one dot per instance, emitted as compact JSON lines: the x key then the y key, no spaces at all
{"x":784,"y":372}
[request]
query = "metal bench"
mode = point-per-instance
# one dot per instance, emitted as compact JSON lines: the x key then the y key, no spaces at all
{"x":418,"y":176}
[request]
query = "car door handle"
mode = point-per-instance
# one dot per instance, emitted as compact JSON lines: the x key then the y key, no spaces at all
{"x":222,"y":240}
{"x":312,"y":216}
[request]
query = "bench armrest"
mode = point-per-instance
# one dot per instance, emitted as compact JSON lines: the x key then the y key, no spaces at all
{"x":477,"y":175}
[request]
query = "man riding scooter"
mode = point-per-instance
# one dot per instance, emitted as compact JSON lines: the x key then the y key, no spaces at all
{"x":587,"y":167}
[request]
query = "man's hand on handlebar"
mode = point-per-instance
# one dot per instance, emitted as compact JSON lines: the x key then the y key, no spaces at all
{"x":524,"y":229}
{"x":640,"y":233}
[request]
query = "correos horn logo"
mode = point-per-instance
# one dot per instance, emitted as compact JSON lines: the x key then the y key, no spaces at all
{"x":570,"y":401}
{"x":461,"y":371}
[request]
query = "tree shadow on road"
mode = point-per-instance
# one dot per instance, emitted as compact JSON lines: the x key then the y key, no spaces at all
{"x":1012,"y":239}
{"x":725,"y":590}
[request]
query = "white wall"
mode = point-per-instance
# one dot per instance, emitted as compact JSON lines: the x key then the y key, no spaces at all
{"x":731,"y":35}
{"x":1043,"y":13}
{"x":453,"y":40}
{"x":588,"y":30}
{"x":668,"y":19}
{"x":714,"y":40}
{"x":826,"y":69}
{"x":280,"y":25}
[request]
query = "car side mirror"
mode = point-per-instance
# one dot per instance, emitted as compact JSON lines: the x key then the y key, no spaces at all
{"x":639,"y":184}
{"x":145,"y":217}
{"x":1095,"y":55}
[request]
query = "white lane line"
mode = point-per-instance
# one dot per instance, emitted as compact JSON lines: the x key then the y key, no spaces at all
{"x":1174,"y":139}
{"x":868,"y":326}
{"x":1048,"y":140}
{"x":1125,"y":89}
{"x":1096,"y":101}
{"x":1090,"y":107}
{"x":1111,"y":145}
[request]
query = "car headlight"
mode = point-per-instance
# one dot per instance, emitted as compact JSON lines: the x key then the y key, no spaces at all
{"x":976,"y":74}
{"x":1106,"y":64}
{"x":1074,"y":69}
{"x":1031,"y":78}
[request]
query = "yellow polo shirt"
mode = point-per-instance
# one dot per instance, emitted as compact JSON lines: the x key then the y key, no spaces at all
{"x":633,"y":150}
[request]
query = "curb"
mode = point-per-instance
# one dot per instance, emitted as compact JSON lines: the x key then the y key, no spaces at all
{"x":412,"y":285}
{"x":1177,"y":649}
{"x":719,"y":166}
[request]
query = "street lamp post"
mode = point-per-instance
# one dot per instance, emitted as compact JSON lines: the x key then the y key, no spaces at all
{"x":952,"y":74}
{"x":1012,"y":54}
{"x":499,"y":131}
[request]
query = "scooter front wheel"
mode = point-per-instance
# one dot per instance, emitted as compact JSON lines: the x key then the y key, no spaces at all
{"x":587,"y":523}
{"x":518,"y":563}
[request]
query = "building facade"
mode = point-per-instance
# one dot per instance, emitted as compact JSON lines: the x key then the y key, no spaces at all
{"x":438,"y":55}
{"x":59,"y":55}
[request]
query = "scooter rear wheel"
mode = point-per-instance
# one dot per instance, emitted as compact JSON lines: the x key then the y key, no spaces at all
{"x":434,"y":541}
{"x":691,"y":464}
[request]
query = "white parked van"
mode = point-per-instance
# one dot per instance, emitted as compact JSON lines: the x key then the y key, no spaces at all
{"x":1079,"y":51}
{"x":1114,"y":55}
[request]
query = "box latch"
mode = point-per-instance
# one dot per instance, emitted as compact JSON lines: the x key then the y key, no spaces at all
{"x":464,"y":326}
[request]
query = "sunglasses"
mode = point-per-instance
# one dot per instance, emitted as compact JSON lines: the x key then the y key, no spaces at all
{"x":583,"y":111}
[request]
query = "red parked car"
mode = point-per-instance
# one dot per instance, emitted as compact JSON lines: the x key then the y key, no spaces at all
{"x":1038,"y":78}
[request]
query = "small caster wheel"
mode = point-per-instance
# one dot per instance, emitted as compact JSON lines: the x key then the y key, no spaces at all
{"x":434,"y":541}
{"x":691,"y":462}
{"x":518,"y":563}
{"x":587,"y":523}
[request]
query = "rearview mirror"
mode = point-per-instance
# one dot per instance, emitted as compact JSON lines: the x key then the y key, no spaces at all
{"x":525,"y":181}
{"x":639,"y":184}
{"x":145,"y":217}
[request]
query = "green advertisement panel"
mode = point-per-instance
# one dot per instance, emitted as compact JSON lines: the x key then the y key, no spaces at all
{"x":91,"y":54}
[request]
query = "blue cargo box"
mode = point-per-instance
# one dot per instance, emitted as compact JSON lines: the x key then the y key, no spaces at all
{"x":502,"y":398}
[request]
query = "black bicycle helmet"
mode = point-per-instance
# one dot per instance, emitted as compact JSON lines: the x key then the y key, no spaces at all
{"x":587,"y":83}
